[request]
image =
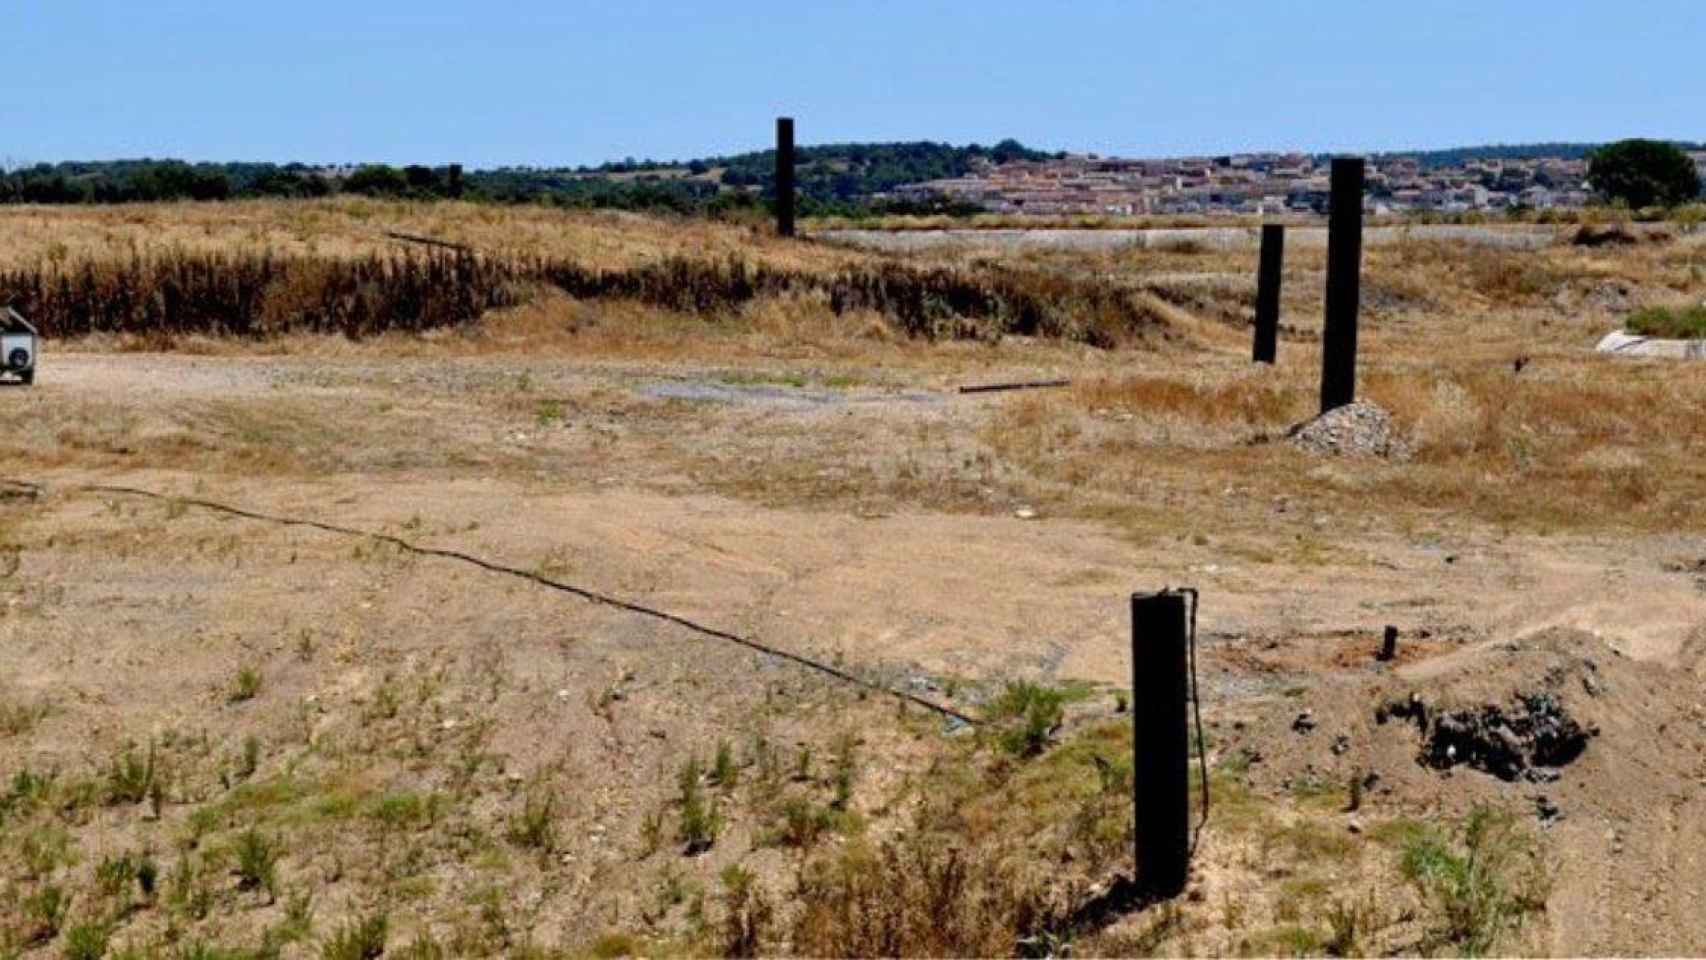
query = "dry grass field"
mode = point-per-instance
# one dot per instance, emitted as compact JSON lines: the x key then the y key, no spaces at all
{"x":237,"y":735}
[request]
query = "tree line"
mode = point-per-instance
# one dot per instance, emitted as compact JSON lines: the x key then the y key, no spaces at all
{"x":832,"y":179}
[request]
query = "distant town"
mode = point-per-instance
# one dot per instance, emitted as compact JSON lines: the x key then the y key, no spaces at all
{"x":1257,"y":183}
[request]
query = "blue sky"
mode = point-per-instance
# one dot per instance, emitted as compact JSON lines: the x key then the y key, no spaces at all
{"x":535,"y":82}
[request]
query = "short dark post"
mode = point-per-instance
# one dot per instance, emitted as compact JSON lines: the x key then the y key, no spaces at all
{"x":1344,"y":266}
{"x":1389,"y":645}
{"x":1268,"y":292}
{"x":1160,"y":761}
{"x":785,"y":176}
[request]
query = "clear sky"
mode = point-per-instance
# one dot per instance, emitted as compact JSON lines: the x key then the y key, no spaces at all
{"x":561,"y":83}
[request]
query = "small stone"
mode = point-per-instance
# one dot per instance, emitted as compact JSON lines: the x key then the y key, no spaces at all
{"x":1025,"y":513}
{"x":1341,"y":743}
{"x":562,"y":694}
{"x":1353,"y":825}
{"x":1305,"y":722}
{"x":447,"y":725}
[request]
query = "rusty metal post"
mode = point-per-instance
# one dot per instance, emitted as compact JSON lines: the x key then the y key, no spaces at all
{"x":1160,"y":745}
{"x":1268,"y":293}
{"x":785,"y":176}
{"x":1344,"y":267}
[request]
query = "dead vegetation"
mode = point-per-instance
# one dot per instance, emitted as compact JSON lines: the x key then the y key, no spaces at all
{"x":228,"y":740}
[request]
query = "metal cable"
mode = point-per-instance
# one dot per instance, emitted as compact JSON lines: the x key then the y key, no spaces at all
{"x":584,"y":593}
{"x":1196,"y":707}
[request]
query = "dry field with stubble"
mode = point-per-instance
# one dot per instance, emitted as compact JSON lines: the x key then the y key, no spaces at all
{"x":227,"y":735}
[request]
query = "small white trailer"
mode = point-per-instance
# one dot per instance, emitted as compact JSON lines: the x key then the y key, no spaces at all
{"x":17,"y":346}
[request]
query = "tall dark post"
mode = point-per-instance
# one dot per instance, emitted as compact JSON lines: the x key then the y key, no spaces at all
{"x":785,"y":176}
{"x":1344,"y":268}
{"x":1160,"y":748}
{"x":1268,"y":293}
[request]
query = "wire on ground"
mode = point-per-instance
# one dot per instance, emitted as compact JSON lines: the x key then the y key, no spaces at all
{"x":584,"y":593}
{"x":1026,"y":385}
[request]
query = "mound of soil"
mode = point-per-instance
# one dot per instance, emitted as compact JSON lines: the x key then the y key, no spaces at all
{"x":1355,"y":429}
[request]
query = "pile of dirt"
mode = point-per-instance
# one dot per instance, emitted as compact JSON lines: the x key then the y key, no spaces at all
{"x":1359,"y":429}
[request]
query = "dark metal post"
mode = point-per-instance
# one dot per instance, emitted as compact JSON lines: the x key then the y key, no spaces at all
{"x":785,"y":176}
{"x":1344,"y":267}
{"x":1268,"y":293}
{"x":1389,"y":643}
{"x":1160,"y":747}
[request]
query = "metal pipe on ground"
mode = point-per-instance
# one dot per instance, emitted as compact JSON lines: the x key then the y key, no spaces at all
{"x":1160,"y":745}
{"x":1344,"y":269}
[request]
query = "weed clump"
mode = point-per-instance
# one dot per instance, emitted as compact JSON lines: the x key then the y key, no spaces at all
{"x":534,"y":828}
{"x":700,"y":819}
{"x":246,"y":686}
{"x":362,"y":939}
{"x":1483,"y":881}
{"x":257,"y":862}
{"x":1031,"y":714}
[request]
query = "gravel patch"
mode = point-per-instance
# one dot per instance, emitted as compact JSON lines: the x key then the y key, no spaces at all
{"x":1359,"y":429}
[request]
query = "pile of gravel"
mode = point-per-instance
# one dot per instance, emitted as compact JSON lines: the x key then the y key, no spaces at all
{"x":1356,"y":429}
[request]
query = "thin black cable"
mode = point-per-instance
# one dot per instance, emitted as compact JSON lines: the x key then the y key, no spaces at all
{"x":582,"y":592}
{"x":1196,"y":707}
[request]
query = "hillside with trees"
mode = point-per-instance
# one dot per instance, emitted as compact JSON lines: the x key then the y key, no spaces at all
{"x":833,"y":178}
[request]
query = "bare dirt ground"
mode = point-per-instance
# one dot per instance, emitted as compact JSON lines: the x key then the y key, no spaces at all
{"x":298,"y":729}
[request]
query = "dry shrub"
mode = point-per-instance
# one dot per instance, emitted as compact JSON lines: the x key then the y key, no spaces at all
{"x":263,"y":295}
{"x":1255,"y":400}
{"x":914,"y":897}
{"x":1495,"y":274}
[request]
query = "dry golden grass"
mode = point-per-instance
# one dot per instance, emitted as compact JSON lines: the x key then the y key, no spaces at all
{"x":1573,"y":441}
{"x":350,"y":227}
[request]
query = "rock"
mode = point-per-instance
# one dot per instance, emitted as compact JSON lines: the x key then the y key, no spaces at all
{"x":1341,"y":743}
{"x":1359,"y":429}
{"x":1305,"y":722}
{"x":1025,"y":513}
{"x":1353,"y":825}
{"x":1545,"y":809}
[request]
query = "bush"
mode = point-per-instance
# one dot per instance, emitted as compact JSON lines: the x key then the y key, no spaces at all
{"x":1679,"y":323}
{"x":1644,"y":173}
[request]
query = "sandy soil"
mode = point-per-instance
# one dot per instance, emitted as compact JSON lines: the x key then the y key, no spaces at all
{"x":656,"y":484}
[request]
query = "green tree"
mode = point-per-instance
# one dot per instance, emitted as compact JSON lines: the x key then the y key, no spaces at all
{"x":1643,"y":173}
{"x":377,"y":180}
